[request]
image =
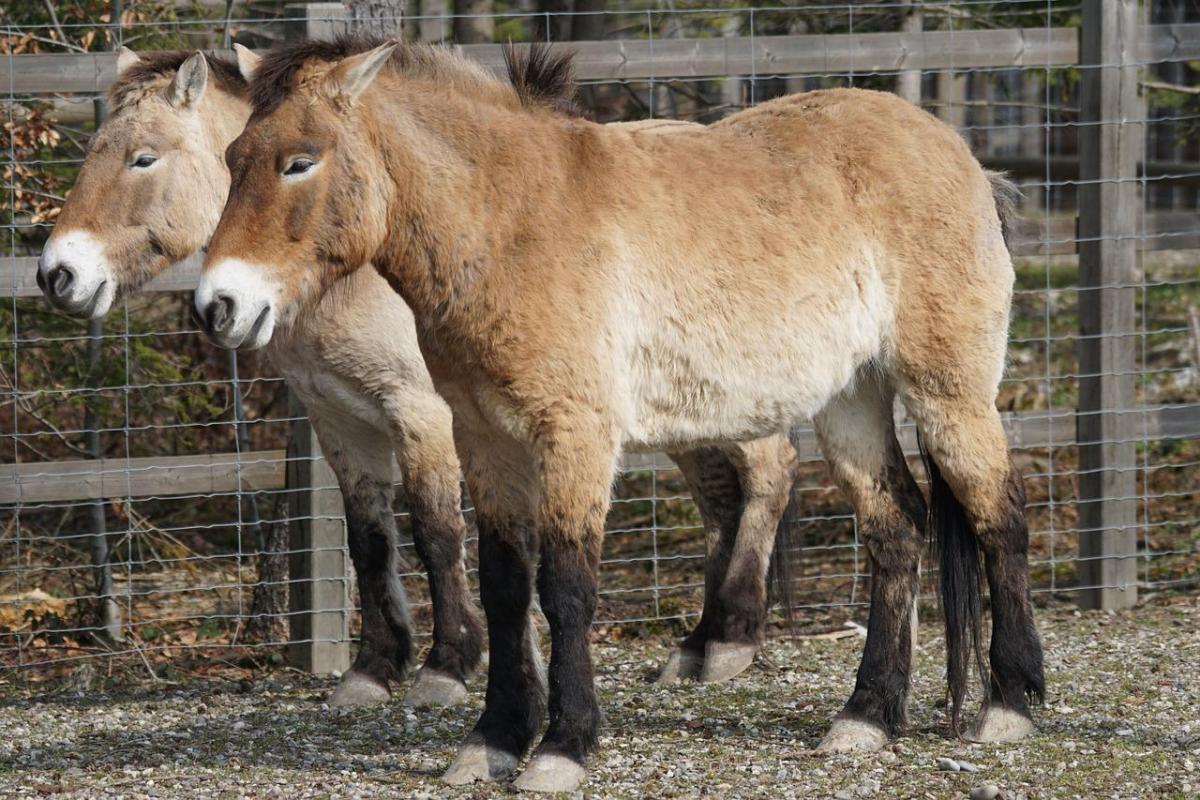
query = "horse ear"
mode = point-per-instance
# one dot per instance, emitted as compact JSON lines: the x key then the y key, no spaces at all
{"x":126,"y":58}
{"x":353,"y":75}
{"x":189,"y":82}
{"x":247,"y":61}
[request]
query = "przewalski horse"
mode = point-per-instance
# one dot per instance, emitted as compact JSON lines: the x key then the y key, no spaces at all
{"x":150,"y":194}
{"x":579,"y":288}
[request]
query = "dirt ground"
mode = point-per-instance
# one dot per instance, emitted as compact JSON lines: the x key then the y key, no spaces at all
{"x":1122,"y":720}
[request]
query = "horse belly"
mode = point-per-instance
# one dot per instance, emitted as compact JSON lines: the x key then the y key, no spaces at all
{"x":704,"y":384}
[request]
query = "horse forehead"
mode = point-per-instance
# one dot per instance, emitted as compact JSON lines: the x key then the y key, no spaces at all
{"x":137,"y":123}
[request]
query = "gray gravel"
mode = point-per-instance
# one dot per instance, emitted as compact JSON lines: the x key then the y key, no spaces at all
{"x":272,"y":737}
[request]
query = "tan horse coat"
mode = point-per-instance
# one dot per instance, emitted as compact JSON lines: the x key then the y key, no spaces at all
{"x":581,"y":288}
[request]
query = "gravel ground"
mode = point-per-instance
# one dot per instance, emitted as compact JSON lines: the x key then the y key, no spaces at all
{"x":1122,"y":720}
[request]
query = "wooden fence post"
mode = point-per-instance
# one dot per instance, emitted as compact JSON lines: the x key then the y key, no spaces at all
{"x":324,"y":21}
{"x":1109,"y":147}
{"x":319,"y":599}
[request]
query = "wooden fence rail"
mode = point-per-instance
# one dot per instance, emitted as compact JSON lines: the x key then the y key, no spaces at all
{"x":265,"y":470}
{"x":761,"y":56}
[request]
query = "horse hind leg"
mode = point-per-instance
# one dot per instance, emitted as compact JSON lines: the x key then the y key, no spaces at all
{"x":858,"y":438}
{"x":978,"y":502}
{"x":742,"y":492}
{"x":766,"y":470}
{"x":713,"y":481}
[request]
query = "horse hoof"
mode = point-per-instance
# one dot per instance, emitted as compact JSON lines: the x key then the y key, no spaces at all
{"x":999,"y":724}
{"x":477,"y":762}
{"x":356,"y":689}
{"x":435,"y":689}
{"x":853,"y":735}
{"x":550,"y":772}
{"x":681,"y":665}
{"x":723,"y":660}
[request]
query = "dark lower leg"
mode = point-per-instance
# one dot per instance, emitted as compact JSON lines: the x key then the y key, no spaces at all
{"x":438,"y":534}
{"x":766,"y":470}
{"x":894,"y":543}
{"x":741,"y":608}
{"x":1016,"y":650}
{"x":514,"y":708}
{"x":881,"y":685}
{"x":386,"y":647}
{"x":891,"y":512}
{"x":567,"y":588}
{"x":715,"y":487}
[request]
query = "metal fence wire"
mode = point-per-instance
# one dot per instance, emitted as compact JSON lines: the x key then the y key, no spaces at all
{"x":143,"y":481}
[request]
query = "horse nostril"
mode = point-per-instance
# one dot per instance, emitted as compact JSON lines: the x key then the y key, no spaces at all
{"x":218,"y":316}
{"x":60,"y":280}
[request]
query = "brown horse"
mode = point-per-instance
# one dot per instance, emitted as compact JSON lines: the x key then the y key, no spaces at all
{"x":150,"y":194}
{"x":580,"y":288}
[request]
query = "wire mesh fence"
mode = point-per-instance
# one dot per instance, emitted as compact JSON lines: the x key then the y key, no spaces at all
{"x":144,"y":494}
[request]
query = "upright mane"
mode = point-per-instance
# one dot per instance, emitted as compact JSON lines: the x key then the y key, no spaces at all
{"x":536,"y":77}
{"x":542,"y":77}
{"x":154,"y":66}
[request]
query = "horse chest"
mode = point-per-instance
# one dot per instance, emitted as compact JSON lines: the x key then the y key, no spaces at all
{"x":323,"y":390}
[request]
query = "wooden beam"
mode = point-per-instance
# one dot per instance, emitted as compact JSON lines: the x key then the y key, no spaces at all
{"x":1058,"y":235}
{"x":318,"y":569}
{"x":640,"y":59}
{"x":1109,"y":210}
{"x":18,"y":277}
{"x":159,"y":476}
{"x":265,"y":470}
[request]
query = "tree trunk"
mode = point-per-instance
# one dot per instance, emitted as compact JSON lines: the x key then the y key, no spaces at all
{"x":269,"y":605}
{"x":376,"y":17}
{"x":586,"y":26}
{"x":471,"y":23}
{"x":553,"y":23}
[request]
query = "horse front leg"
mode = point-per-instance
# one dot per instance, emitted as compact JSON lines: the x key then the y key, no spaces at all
{"x":717,"y":492}
{"x":361,"y":460}
{"x":515,"y":704}
{"x":575,"y":473}
{"x":742,"y":492}
{"x":424,"y":443}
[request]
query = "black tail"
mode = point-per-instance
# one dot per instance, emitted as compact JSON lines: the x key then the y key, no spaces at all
{"x":1006,"y":196}
{"x":781,"y":576}
{"x":959,"y":575}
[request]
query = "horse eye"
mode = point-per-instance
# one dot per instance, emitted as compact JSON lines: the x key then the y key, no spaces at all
{"x":141,"y":162}
{"x":299,"y":166}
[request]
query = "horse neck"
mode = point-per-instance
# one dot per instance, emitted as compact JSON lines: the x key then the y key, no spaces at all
{"x":462,"y":178}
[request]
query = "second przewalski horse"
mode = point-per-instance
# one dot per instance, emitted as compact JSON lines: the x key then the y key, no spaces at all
{"x":149,"y":196}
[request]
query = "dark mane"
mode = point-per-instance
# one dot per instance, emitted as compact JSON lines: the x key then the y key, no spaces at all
{"x":153,"y":65}
{"x":275,"y":74}
{"x":542,"y":77}
{"x":536,"y":76}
